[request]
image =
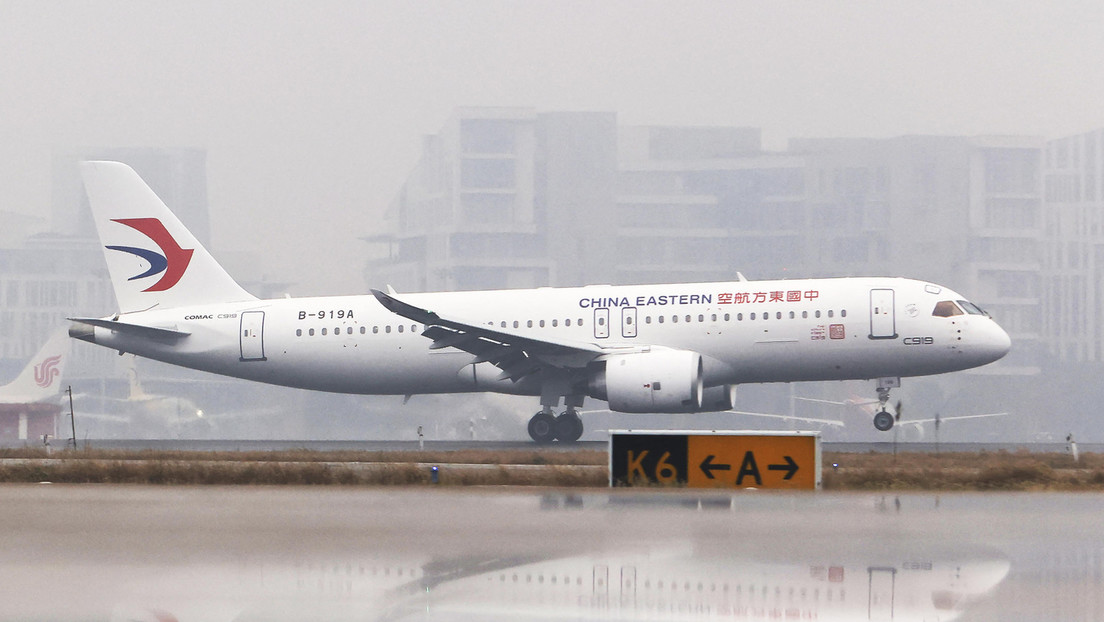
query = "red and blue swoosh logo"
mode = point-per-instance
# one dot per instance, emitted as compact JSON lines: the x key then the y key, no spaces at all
{"x":170,"y":263}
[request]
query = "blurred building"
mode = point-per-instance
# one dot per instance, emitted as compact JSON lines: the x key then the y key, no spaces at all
{"x":504,"y":197}
{"x":1073,"y":282}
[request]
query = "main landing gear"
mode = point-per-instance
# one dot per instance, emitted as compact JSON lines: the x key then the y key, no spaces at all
{"x":883,"y":421}
{"x":545,"y":427}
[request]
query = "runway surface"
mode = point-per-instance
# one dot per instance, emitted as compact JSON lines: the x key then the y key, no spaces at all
{"x":396,"y":445}
{"x":162,"y":554}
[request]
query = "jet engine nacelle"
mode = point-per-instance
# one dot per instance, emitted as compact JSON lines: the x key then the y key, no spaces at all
{"x":662,"y":381}
{"x":716,"y":399}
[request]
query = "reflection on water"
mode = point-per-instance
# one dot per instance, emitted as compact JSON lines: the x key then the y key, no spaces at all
{"x":162,"y":554}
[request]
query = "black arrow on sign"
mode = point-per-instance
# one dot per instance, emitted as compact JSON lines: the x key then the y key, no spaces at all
{"x":790,"y":467}
{"x":708,"y":467}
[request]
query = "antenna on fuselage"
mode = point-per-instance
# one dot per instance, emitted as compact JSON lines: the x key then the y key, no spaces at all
{"x":741,"y":278}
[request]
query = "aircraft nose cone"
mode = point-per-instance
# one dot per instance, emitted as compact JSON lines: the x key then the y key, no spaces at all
{"x":996,"y":342}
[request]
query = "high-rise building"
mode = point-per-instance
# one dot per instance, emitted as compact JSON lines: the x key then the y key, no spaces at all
{"x":1073,"y":283}
{"x":504,"y":197}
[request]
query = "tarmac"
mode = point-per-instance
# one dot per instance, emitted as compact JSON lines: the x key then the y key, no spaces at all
{"x":135,"y":553}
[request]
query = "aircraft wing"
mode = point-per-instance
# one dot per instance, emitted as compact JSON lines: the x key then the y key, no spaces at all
{"x":515,"y":354}
{"x":788,"y":417}
{"x":956,"y":417}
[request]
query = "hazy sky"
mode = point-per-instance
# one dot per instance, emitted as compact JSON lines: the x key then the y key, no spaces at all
{"x":312,"y":112}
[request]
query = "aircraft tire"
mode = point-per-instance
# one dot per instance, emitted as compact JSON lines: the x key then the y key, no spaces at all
{"x":542,"y":428}
{"x":883,"y":421}
{"x":569,"y":427}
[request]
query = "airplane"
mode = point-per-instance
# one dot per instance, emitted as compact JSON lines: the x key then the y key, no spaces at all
{"x":671,"y":582}
{"x":665,"y":348}
{"x":28,"y":396}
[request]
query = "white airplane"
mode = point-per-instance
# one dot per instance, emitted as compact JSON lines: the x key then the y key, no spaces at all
{"x":40,"y":380}
{"x":683,"y":583}
{"x":673,"y":348}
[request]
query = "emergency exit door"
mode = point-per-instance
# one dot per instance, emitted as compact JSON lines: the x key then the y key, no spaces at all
{"x":252,"y":336}
{"x":883,"y":323}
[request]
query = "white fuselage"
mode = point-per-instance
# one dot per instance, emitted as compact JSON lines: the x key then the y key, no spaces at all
{"x":746,"y":331}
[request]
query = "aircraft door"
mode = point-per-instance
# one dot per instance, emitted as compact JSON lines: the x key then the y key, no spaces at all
{"x":252,"y":336}
{"x":882,"y":583}
{"x":883,"y":323}
{"x":628,"y":322}
{"x":601,"y":323}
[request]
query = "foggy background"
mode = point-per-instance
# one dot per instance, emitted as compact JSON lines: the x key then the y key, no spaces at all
{"x":311,"y":117}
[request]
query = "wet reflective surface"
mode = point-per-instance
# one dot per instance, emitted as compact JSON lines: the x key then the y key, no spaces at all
{"x":143,"y":553}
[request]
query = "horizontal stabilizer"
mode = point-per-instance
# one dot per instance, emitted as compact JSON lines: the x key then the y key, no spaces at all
{"x":146,"y":332}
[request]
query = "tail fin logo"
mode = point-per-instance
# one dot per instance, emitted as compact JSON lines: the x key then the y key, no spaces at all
{"x":172,"y":260}
{"x":46,"y":371}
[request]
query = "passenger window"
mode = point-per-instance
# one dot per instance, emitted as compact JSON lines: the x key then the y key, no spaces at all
{"x":601,"y":321}
{"x":529,"y":324}
{"x":701,"y":318}
{"x":555,"y":323}
{"x":661,"y":319}
{"x":778,"y":315}
{"x":515,"y":323}
{"x":728,"y":317}
{"x":843,"y":312}
{"x":323,"y":331}
{"x":503,"y":324}
{"x":647,"y":319}
{"x":400,"y":328}
{"x":310,"y":332}
{"x":674,"y":319}
{"x":375,"y":330}
{"x":739,"y":317}
{"x":804,"y":315}
{"x":830,"y":312}
{"x":542,"y":323}
{"x":363,"y":330}
{"x":946,"y":308}
{"x":298,"y":332}
{"x":751,"y":316}
{"x":688,"y":319}
{"x":386,"y":329}
{"x":580,"y":322}
{"x":817,"y":314}
{"x":567,"y":322}
{"x":349,"y":331}
{"x":791,"y":315}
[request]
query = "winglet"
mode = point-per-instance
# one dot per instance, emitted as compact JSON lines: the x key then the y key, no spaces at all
{"x":410,"y":312}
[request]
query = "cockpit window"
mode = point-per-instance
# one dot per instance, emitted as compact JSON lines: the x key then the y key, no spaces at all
{"x":971,"y":308}
{"x":946,"y":308}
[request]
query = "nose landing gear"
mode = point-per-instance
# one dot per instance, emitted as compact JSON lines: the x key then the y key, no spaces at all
{"x":883,"y":421}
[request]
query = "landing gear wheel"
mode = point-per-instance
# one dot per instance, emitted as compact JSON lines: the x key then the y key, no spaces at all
{"x":569,"y":427}
{"x":542,"y":428}
{"x":883,"y":421}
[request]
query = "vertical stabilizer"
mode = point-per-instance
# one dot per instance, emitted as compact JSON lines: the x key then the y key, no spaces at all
{"x":154,"y":261}
{"x":41,"y":378}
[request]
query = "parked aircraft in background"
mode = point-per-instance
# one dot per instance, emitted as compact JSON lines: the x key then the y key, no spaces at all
{"x":29,"y":404}
{"x":40,"y":380}
{"x":674,"y":348}
{"x":139,"y":414}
